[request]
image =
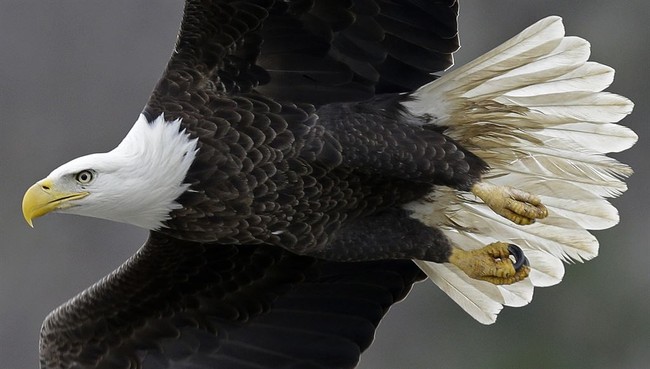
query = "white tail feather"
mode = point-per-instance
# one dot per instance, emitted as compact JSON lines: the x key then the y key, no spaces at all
{"x":483,"y":303}
{"x":602,"y":138}
{"x":533,"y":109}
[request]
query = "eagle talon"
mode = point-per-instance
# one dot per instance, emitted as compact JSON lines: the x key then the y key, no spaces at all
{"x":492,"y":263}
{"x":520,"y":259}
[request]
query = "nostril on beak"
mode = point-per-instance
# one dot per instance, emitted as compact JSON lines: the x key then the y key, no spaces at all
{"x":45,"y":187}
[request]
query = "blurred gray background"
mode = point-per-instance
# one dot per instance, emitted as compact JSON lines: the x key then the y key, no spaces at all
{"x":74,"y":75}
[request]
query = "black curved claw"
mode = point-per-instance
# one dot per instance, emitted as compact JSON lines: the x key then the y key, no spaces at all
{"x":520,"y":258}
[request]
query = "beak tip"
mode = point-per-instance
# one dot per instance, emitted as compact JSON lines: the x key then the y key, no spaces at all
{"x":32,"y":201}
{"x":28,"y":217}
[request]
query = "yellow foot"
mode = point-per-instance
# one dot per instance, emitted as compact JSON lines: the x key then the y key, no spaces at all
{"x":492,"y":263}
{"x":518,"y":206}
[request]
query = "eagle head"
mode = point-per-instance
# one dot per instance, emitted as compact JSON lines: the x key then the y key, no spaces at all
{"x":138,"y":182}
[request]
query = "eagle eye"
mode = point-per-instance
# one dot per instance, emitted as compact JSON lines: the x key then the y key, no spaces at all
{"x":84,"y":177}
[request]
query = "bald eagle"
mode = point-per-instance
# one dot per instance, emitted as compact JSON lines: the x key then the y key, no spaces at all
{"x":299,"y":167}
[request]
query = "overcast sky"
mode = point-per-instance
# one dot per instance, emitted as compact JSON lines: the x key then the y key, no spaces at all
{"x":74,"y":75}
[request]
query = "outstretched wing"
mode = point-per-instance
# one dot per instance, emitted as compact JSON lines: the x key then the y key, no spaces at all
{"x":180,"y":304}
{"x":309,"y":51}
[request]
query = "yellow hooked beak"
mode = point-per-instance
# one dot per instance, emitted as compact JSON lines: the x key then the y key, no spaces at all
{"x":43,"y":198}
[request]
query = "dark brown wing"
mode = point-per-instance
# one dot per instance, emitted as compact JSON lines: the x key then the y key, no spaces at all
{"x":186,"y":305}
{"x":310,"y":51}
